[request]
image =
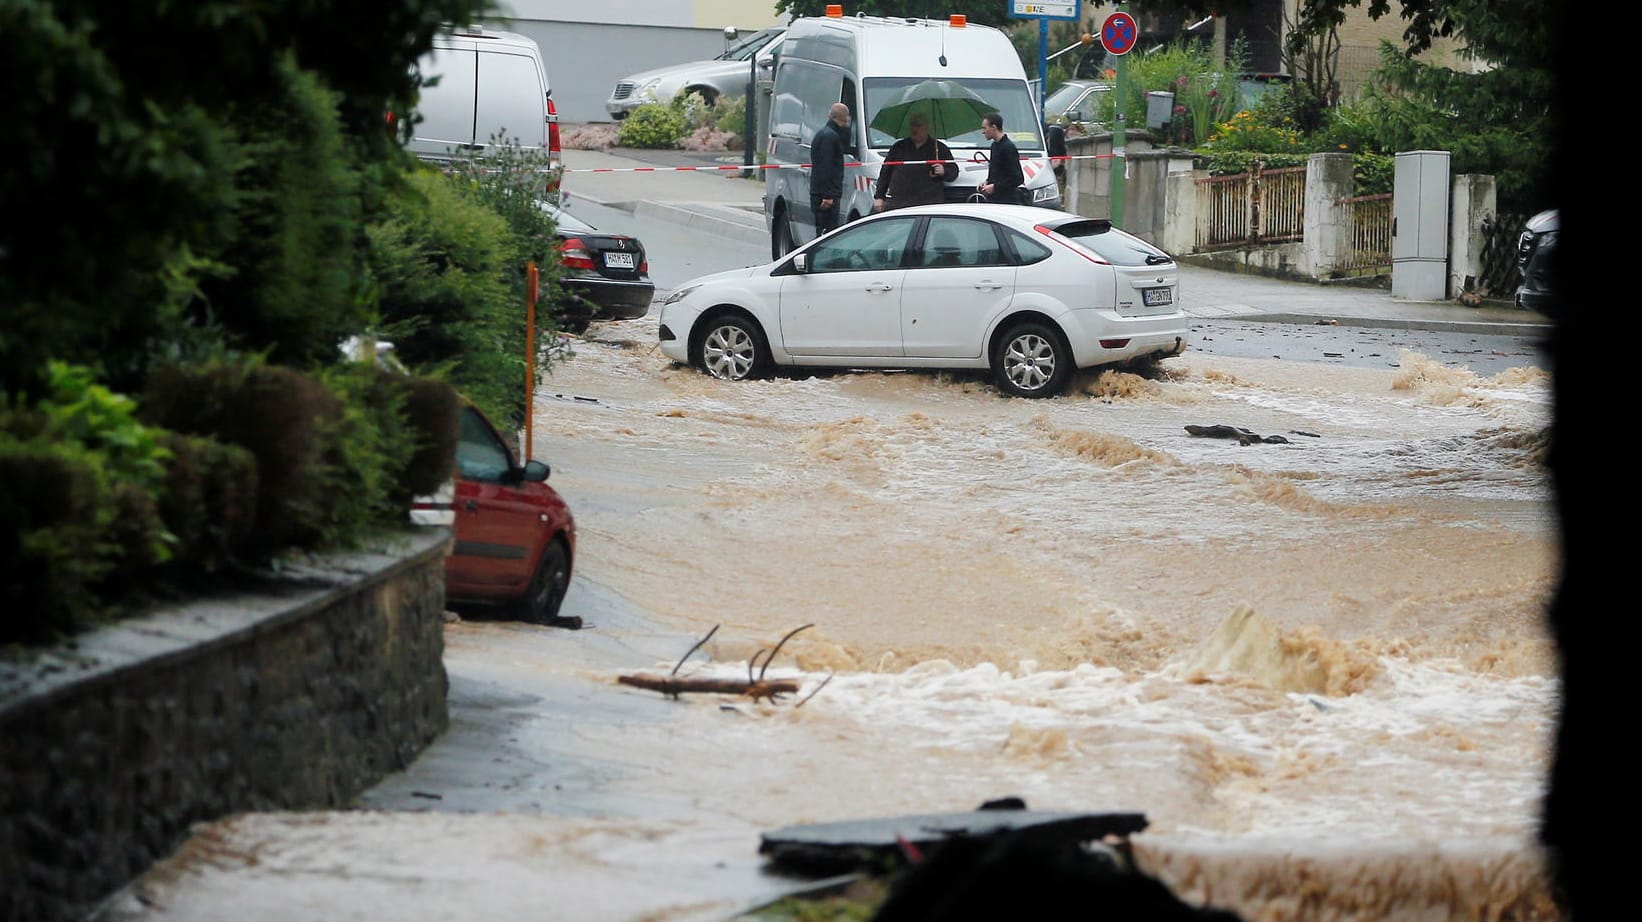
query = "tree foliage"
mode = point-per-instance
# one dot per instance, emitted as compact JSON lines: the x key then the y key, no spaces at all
{"x":132,"y":125}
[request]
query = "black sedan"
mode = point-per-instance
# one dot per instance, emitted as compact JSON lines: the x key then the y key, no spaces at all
{"x":606,"y":276}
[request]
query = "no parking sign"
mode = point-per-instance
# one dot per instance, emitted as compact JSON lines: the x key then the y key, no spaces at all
{"x":1118,"y":33}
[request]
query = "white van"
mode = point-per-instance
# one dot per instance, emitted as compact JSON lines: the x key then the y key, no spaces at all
{"x":862,"y":61}
{"x":490,"y":83}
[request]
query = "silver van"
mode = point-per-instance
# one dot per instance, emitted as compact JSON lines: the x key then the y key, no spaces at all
{"x":862,"y":61}
{"x":490,"y":83}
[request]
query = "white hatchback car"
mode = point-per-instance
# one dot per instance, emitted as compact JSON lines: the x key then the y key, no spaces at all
{"x":1029,"y":293}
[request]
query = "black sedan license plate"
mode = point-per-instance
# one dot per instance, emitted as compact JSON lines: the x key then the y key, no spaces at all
{"x":1156,"y":296}
{"x":625,"y":261}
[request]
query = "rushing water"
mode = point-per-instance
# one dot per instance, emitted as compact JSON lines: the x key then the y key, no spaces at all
{"x":1319,"y":667}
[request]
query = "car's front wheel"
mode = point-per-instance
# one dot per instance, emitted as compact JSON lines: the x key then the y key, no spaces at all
{"x":540,"y":603}
{"x":781,"y":242}
{"x":1031,"y":361}
{"x":732,"y":349}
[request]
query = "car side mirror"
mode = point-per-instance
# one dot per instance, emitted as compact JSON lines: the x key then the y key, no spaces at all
{"x":801,"y":263}
{"x":730,"y":33}
{"x":1075,"y":115}
{"x":766,"y":62}
{"x":535,"y":472}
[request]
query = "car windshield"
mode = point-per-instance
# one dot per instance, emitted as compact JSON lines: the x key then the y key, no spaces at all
{"x":745,"y":48}
{"x":1114,"y":246}
{"x":1009,"y":98}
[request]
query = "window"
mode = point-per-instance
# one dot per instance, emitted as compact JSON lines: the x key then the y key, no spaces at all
{"x":1011,"y":98}
{"x":961,"y":242}
{"x":480,"y":455}
{"x":1117,"y":249}
{"x":1027,"y":250}
{"x":875,"y":246}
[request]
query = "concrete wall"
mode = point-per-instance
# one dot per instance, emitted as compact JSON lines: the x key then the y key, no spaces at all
{"x":1471,"y":208}
{"x":584,"y":60}
{"x":300,"y":696}
{"x":1326,"y":227}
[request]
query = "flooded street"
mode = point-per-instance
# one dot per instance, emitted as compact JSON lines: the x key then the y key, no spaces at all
{"x":1332,"y":643}
{"x":1319,"y":667}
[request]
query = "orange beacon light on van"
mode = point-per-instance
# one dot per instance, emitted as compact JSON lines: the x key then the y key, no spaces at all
{"x":835,"y":9}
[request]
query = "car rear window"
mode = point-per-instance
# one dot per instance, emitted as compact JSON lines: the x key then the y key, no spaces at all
{"x":1112,"y":245}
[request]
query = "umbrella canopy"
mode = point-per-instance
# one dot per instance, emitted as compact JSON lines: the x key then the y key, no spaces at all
{"x":950,"y":107}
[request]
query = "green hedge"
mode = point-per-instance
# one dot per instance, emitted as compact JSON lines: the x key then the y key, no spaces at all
{"x":227,"y":464}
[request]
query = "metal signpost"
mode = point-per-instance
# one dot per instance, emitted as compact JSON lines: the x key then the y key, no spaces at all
{"x":1043,"y":11}
{"x":1118,"y":35}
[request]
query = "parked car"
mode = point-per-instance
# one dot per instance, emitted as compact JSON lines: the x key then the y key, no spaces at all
{"x":1075,"y":102}
{"x":723,"y":76}
{"x":515,"y":536}
{"x":606,"y":275}
{"x":1534,"y":249}
{"x":485,"y":84}
{"x":1029,"y":293}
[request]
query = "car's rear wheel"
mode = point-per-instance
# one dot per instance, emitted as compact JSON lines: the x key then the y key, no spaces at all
{"x":1031,"y":361}
{"x":732,"y":349}
{"x":540,"y":603}
{"x":780,"y":235}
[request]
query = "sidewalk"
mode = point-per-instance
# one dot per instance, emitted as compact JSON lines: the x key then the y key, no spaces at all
{"x":723,"y":203}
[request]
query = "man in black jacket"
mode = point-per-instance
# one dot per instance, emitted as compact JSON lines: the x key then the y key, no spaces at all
{"x":827,"y":167}
{"x":915,"y":169}
{"x":1003,"y":172}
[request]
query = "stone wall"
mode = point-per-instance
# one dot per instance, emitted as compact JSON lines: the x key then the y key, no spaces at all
{"x":301,"y":695}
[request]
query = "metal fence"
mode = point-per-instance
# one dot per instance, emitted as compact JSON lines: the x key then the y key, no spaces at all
{"x":1500,"y":275}
{"x":1242,"y":209}
{"x":1370,"y":220}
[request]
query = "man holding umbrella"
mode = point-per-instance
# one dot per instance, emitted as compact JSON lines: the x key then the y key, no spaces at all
{"x":914,"y":183}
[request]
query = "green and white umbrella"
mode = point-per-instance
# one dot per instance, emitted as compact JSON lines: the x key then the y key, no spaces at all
{"x":951,"y":108}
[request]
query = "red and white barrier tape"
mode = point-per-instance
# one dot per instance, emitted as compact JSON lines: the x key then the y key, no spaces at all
{"x":798,"y":166}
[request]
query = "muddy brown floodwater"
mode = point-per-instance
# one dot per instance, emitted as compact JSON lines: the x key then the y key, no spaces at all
{"x":1320,"y":668}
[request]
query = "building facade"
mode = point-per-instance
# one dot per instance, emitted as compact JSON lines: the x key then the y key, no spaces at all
{"x":587,"y":47}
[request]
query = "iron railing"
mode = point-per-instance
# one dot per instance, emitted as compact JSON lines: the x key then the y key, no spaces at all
{"x":1244,"y":209}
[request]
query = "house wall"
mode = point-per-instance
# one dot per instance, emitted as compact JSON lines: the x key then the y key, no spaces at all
{"x":587,"y":47}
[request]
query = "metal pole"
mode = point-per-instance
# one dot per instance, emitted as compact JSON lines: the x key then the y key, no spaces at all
{"x":1120,"y":160}
{"x":750,"y":122}
{"x":532,"y":280}
{"x":1043,"y":64}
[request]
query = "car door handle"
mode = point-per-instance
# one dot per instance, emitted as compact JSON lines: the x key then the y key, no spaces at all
{"x":988,"y":286}
{"x":880,"y":286}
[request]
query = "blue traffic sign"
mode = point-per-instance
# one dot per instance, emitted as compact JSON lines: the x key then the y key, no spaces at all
{"x":1118,"y":33}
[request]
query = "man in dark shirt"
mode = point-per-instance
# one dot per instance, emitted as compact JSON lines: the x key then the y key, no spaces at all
{"x":916,"y":183}
{"x":827,"y":167}
{"x":1003,"y":172}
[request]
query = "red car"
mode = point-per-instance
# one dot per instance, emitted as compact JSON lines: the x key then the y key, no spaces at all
{"x":515,"y":537}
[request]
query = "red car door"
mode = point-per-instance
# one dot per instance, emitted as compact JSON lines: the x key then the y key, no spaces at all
{"x":499,"y":522}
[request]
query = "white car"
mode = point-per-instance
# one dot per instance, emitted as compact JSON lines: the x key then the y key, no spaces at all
{"x":1029,"y":293}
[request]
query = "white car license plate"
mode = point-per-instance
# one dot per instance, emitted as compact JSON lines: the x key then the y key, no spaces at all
{"x":1155,"y":296}
{"x":625,"y":261}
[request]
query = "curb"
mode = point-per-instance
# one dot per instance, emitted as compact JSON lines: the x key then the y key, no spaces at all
{"x":1470,"y":327}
